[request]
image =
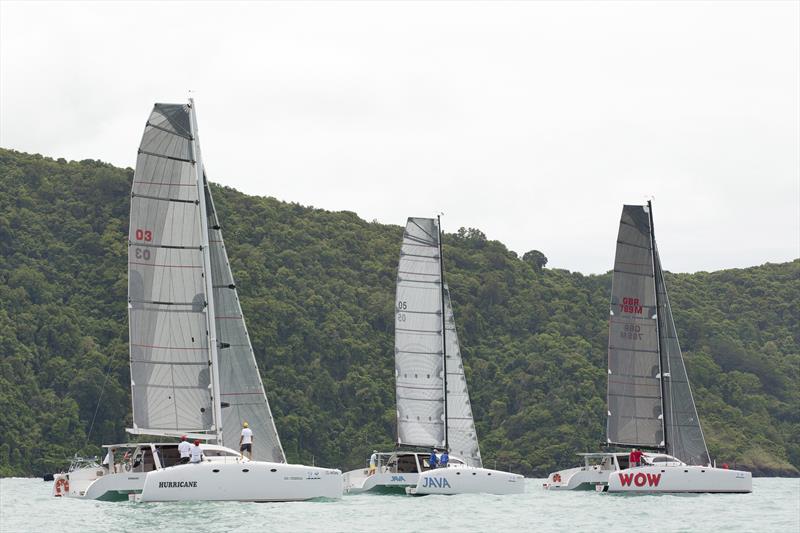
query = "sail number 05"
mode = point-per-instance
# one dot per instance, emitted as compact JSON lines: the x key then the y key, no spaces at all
{"x":401,"y":306}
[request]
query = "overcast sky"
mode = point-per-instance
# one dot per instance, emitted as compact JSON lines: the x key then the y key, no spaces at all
{"x":533,"y":122}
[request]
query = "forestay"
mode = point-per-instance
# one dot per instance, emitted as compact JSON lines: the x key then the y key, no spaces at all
{"x":242,"y":391}
{"x":684,"y":435}
{"x":462,"y":437}
{"x":634,"y":384}
{"x":169,"y":347}
{"x":419,"y":375}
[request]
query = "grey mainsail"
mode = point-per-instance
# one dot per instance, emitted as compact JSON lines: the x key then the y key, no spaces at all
{"x":463,"y":438}
{"x":419,"y":372}
{"x":650,"y":402}
{"x":242,"y":391}
{"x":634,"y":370}
{"x":684,"y":435}
{"x":169,"y":342}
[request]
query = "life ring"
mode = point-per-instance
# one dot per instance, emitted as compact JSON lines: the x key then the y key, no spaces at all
{"x":556,"y":478}
{"x":62,"y":484}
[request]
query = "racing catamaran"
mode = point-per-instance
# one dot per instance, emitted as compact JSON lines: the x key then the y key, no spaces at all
{"x":650,"y":402}
{"x":193,"y":370}
{"x":433,"y":407}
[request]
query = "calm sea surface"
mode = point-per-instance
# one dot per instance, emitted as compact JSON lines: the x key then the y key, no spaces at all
{"x":774,"y":505}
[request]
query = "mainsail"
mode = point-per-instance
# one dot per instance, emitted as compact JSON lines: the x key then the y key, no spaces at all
{"x":460,"y":424}
{"x":433,"y":408}
{"x":188,"y":338}
{"x":419,"y":369}
{"x":169,"y":341}
{"x":650,"y":404}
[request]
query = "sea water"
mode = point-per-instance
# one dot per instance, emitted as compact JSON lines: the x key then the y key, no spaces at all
{"x":774,"y":505}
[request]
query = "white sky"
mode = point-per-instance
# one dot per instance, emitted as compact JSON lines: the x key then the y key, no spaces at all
{"x":533,"y":122}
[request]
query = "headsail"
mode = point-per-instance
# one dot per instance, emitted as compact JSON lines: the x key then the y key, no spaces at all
{"x":684,"y":435}
{"x":419,"y":375}
{"x":634,"y":370}
{"x":242,"y":392}
{"x":168,"y":333}
{"x":461,"y":432}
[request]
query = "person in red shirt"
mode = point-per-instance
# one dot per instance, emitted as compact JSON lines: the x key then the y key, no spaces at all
{"x":635,"y":458}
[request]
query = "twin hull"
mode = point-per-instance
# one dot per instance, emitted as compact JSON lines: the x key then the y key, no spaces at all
{"x":680,"y":479}
{"x":579,"y":478}
{"x":466,"y":480}
{"x":357,"y":481}
{"x":211,"y":481}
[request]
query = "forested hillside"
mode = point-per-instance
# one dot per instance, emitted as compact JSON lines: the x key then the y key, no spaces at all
{"x":317,"y":290}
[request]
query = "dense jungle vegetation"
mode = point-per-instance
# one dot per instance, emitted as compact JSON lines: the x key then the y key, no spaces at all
{"x":317,"y":289}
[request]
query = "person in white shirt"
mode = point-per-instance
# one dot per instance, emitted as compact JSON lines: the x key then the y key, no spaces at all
{"x":373,"y":462}
{"x":246,"y":441}
{"x":185,"y":449}
{"x":196,"y":453}
{"x":108,"y":462}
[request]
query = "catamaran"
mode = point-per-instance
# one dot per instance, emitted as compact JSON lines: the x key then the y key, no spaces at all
{"x":192,"y":365}
{"x":433,"y":407}
{"x":650,"y":402}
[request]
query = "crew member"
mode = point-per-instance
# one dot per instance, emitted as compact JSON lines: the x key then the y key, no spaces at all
{"x":443,"y":460}
{"x":185,"y":449}
{"x":108,"y":461}
{"x":246,"y":441}
{"x":634,"y":458}
{"x":196,"y":453}
{"x":433,"y":460}
{"x":373,"y":462}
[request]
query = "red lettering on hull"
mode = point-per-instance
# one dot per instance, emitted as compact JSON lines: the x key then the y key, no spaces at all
{"x":640,"y":480}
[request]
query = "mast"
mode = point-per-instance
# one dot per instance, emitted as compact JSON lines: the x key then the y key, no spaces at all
{"x":658,"y":322}
{"x":444,"y":330}
{"x":213,"y":348}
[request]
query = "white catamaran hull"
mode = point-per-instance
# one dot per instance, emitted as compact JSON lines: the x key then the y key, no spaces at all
{"x":467,"y":480}
{"x":257,"y":481}
{"x":94,"y":484}
{"x":647,"y":479}
{"x":356,"y":481}
{"x":579,"y":478}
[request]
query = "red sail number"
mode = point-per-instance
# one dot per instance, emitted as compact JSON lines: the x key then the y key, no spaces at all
{"x":144,"y":235}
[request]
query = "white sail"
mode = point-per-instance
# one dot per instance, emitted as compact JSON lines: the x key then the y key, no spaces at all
{"x":168,"y":333}
{"x":241,"y":389}
{"x":461,"y":434}
{"x":419,"y":378}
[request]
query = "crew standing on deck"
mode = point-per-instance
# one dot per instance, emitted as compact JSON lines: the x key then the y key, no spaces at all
{"x":433,"y":460}
{"x":373,"y":462}
{"x":634,"y":458}
{"x":185,"y":449}
{"x":246,"y":441}
{"x":444,"y":459}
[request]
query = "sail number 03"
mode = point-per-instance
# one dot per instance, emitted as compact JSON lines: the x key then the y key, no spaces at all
{"x":143,"y":235}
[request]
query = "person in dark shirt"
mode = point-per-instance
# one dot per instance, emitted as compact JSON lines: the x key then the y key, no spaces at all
{"x":433,"y":460}
{"x":444,"y":459}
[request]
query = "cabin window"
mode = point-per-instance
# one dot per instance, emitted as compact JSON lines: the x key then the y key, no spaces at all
{"x":245,"y":470}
